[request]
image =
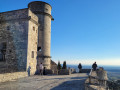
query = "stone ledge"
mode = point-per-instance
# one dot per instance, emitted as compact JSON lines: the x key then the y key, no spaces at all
{"x":11,"y":76}
{"x":86,"y":70}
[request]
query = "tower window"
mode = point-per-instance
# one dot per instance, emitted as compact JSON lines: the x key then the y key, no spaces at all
{"x":39,"y":49}
{"x":33,"y":28}
{"x":32,"y":54}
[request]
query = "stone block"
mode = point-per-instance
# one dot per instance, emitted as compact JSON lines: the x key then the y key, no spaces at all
{"x":64,"y":72}
{"x":12,"y":76}
{"x":86,"y":70}
{"x":48,"y":71}
{"x":73,"y":70}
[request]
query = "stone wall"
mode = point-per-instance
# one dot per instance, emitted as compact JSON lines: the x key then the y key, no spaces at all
{"x":14,"y":32}
{"x":32,"y":42}
{"x":96,"y":80}
{"x":11,"y":76}
{"x":64,"y":72}
{"x":21,"y":33}
{"x":73,"y":70}
{"x":86,"y":70}
{"x":19,"y":30}
{"x":13,"y":15}
{"x":54,"y":67}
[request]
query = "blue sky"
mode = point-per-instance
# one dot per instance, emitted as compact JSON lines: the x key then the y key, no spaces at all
{"x":83,"y":30}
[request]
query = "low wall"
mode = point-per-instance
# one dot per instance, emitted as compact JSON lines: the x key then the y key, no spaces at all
{"x":86,"y":70}
{"x":11,"y":76}
{"x":64,"y":72}
{"x":72,"y":70}
{"x":96,"y":80}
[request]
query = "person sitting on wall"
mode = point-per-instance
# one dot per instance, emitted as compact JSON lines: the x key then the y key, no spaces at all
{"x":94,"y":66}
{"x":80,"y":67}
{"x":41,"y":69}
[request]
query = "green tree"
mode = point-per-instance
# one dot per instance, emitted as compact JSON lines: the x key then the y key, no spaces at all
{"x":59,"y":65}
{"x":64,"y":65}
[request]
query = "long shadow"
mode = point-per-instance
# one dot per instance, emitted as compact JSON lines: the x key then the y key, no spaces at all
{"x":71,"y":85}
{"x":79,"y":78}
{"x":65,"y":78}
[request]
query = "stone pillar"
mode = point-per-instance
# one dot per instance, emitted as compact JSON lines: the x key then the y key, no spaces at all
{"x":43,"y":11}
{"x":102,"y":75}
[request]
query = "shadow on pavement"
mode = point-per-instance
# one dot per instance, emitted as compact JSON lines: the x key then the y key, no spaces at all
{"x":71,"y":85}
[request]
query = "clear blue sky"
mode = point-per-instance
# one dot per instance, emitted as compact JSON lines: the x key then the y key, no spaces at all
{"x":83,"y":30}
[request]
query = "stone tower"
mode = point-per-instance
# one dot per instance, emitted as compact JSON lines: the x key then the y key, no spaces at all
{"x":43,"y":11}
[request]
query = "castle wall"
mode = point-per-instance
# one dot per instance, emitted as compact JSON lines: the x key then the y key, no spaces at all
{"x":25,"y":36}
{"x":32,"y":42}
{"x":12,"y":76}
{"x":14,"y":32}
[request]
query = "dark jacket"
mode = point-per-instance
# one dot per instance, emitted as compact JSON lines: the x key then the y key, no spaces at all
{"x":80,"y":66}
{"x":94,"y":65}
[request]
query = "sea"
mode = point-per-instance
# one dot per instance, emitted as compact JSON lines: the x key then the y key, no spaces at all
{"x":113,"y":72}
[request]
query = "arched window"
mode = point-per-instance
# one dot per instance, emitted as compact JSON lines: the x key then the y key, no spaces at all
{"x":39,"y":49}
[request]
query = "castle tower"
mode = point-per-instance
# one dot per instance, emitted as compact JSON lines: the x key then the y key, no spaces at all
{"x":43,"y":11}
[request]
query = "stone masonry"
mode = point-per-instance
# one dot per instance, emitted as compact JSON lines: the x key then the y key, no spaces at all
{"x":43,"y":12}
{"x":18,"y":40}
{"x":25,"y":37}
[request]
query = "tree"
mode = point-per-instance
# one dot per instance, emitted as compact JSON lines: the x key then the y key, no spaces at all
{"x":59,"y":65}
{"x":64,"y":65}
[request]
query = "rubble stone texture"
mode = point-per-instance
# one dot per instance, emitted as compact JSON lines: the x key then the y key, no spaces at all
{"x":21,"y":33}
{"x":43,"y":12}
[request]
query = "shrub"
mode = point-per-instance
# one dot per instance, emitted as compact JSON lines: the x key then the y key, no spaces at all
{"x":59,"y":66}
{"x":64,"y":65}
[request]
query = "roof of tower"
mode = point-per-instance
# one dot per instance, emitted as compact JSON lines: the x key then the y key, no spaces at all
{"x":39,"y":2}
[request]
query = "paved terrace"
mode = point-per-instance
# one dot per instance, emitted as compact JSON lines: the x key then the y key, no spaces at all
{"x":49,"y":82}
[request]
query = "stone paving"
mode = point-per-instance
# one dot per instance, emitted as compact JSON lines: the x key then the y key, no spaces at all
{"x":49,"y":82}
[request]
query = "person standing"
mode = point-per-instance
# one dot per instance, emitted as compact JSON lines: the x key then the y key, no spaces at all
{"x":80,"y":67}
{"x":94,"y":66}
{"x":41,"y":69}
{"x":44,"y":71}
{"x":29,"y":69}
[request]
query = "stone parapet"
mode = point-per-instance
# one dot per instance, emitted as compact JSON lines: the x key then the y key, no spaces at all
{"x":96,"y":80}
{"x":48,"y":71}
{"x":85,"y":70}
{"x":72,"y":70}
{"x":64,"y":72}
{"x":12,"y":76}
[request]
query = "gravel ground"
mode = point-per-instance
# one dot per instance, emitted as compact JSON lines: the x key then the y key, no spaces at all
{"x":49,"y":82}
